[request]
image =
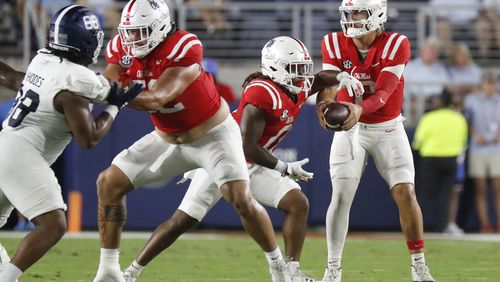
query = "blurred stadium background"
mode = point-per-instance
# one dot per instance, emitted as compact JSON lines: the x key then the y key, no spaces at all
{"x":233,"y":33}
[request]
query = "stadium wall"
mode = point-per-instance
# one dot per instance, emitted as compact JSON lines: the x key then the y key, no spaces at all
{"x":373,"y":208}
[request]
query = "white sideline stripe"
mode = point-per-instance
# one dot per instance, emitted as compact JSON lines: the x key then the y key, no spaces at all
{"x":366,"y":236}
{"x":58,"y":21}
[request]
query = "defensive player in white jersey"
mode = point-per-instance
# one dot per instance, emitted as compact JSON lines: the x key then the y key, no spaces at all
{"x":374,"y":127}
{"x":193,"y":127}
{"x":52,"y":105}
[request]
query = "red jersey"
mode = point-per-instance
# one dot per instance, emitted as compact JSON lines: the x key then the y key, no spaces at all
{"x":226,"y":92}
{"x":388,"y":54}
{"x":281,"y":110}
{"x":196,"y":104}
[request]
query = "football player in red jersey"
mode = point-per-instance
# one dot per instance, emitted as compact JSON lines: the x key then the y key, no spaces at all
{"x":271,"y":102}
{"x":377,"y":59}
{"x":193,"y":127}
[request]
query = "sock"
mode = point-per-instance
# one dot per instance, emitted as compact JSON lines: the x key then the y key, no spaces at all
{"x":274,"y":255}
{"x":334,"y":262}
{"x":135,"y":267}
{"x":10,"y":272}
{"x":293,"y":266}
{"x":109,"y":258}
{"x":417,"y":258}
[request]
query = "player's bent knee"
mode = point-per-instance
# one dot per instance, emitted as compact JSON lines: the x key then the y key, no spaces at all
{"x":294,"y":202}
{"x":53,"y":224}
{"x":405,"y":191}
{"x":112,"y":184}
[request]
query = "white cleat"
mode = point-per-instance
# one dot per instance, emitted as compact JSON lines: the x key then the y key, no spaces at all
{"x":453,"y":230}
{"x":420,"y":272}
{"x":296,"y":276}
{"x":130,"y":274}
{"x":332,"y":275}
{"x":109,"y":275}
{"x":276,"y":269}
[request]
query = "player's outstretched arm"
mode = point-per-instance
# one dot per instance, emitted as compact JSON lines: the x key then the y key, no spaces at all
{"x":87,"y":130}
{"x":169,"y":86}
{"x":10,"y":78}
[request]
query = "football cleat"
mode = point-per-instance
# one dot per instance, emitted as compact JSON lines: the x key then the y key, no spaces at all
{"x":109,"y":274}
{"x":131,"y":274}
{"x":296,"y":276}
{"x":420,"y":272}
{"x":276,"y":269}
{"x":332,"y":274}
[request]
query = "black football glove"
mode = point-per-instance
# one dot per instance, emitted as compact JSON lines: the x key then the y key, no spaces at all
{"x":119,"y":97}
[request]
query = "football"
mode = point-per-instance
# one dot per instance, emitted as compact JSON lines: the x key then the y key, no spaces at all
{"x":335,"y":115}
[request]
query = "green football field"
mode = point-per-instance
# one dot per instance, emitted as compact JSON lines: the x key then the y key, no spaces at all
{"x":234,"y":257}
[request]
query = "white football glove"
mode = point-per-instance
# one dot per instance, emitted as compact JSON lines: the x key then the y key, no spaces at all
{"x":353,"y":85}
{"x":294,"y":170}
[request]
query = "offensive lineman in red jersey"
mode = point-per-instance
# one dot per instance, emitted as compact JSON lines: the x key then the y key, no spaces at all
{"x":194,"y":128}
{"x":374,"y":126}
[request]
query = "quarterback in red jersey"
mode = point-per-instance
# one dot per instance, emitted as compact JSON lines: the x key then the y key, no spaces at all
{"x":193,"y":127}
{"x":375,"y":58}
{"x":271,"y":102}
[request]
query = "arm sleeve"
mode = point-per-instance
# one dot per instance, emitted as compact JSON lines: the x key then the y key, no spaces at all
{"x":86,"y":83}
{"x":389,"y":77}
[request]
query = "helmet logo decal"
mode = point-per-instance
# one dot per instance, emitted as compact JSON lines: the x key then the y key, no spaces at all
{"x":347,"y":64}
{"x":154,"y":4}
{"x":270,"y":43}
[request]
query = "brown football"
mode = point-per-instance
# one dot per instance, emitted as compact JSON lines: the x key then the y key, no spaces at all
{"x":335,"y":115}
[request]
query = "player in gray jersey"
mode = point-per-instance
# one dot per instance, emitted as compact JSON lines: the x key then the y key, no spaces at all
{"x":53,"y":103}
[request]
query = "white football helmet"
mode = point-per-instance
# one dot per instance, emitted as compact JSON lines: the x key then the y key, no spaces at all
{"x":144,"y":24}
{"x":287,"y":62}
{"x":359,"y":17}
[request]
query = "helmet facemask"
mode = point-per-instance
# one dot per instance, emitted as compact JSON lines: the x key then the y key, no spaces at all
{"x":300,"y":77}
{"x":100,"y":42}
{"x":137,"y":39}
{"x":357,"y":21}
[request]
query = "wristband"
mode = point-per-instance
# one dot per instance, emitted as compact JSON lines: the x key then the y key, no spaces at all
{"x":112,"y":110}
{"x":281,"y":167}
